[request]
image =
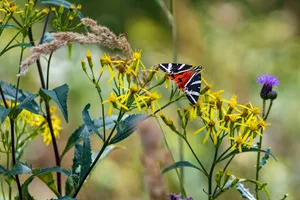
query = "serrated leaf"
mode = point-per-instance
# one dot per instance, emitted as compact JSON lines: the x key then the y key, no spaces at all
{"x":3,"y":113}
{"x":48,"y":179}
{"x":245,"y":149}
{"x":265,"y":158}
{"x":2,"y":169}
{"x":180,"y":164}
{"x":59,"y":95}
{"x":86,"y":154}
{"x":29,"y":104}
{"x":77,"y":135}
{"x":89,"y":122}
{"x":81,"y":161}
{"x":18,"y":168}
{"x":66,"y":4}
{"x":245,"y":192}
{"x":39,"y":172}
{"x":10,"y":92}
{"x":127,"y":126}
{"x":76,"y":168}
{"x":70,"y":186}
{"x":106,"y":152}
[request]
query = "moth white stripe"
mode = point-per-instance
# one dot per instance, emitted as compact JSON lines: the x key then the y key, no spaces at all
{"x":162,"y":66}
{"x":182,"y":66}
{"x":196,"y":82}
{"x":192,"y":78}
{"x":170,"y":65}
{"x":192,"y":93}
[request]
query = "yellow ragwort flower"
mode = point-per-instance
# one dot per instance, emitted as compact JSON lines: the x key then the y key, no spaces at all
{"x":41,"y":122}
{"x":114,"y":102}
{"x":137,"y":61}
{"x":151,"y":101}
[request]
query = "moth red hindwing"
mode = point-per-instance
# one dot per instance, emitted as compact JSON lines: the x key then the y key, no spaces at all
{"x":187,"y":77}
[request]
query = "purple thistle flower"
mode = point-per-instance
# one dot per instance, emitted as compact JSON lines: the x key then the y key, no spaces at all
{"x":268,"y":81}
{"x":177,"y":197}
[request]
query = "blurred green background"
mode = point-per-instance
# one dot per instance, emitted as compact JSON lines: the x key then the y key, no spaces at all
{"x":236,"y":41}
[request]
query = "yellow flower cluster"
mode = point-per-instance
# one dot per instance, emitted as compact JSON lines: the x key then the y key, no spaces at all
{"x":130,"y":82}
{"x":38,"y":123}
{"x":225,"y":118}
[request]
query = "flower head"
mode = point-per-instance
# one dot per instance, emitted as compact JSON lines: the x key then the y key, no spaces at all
{"x":113,"y":103}
{"x":177,"y":197}
{"x":268,"y":81}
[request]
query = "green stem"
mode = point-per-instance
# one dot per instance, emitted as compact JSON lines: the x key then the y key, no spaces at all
{"x":258,"y":154}
{"x":210,"y":196}
{"x":198,"y":160}
{"x":103,"y":111}
{"x":106,"y":143}
{"x":48,"y":114}
{"x":269,"y":109}
{"x":48,"y":70}
{"x":173,"y":159}
{"x":2,"y":189}
{"x":224,"y":170}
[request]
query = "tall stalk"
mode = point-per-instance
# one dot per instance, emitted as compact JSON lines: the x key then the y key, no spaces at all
{"x":47,"y":106}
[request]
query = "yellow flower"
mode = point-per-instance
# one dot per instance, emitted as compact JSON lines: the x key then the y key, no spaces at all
{"x":41,"y":122}
{"x":137,"y":61}
{"x":113,"y":103}
{"x":213,"y":126}
{"x":240,"y":141}
{"x":151,"y":100}
{"x":10,"y":7}
{"x":133,"y":92}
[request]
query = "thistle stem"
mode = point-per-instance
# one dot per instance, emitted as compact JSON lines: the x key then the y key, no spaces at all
{"x":258,"y":154}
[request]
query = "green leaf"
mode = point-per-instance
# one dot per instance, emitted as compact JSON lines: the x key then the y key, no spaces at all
{"x":39,"y":172}
{"x":59,"y":95}
{"x":265,"y":158}
{"x":29,"y":104}
{"x":81,"y":162}
{"x":66,"y":4}
{"x":86,"y":154}
{"x":77,"y":135}
{"x":10,"y":92}
{"x":70,"y":186}
{"x":106,"y":152}
{"x":3,"y":113}
{"x":18,"y":168}
{"x":245,"y":192}
{"x":65,"y":198}
{"x":8,"y":26}
{"x":48,"y":179}
{"x":2,"y":170}
{"x":26,"y":45}
{"x":180,"y":164}
{"x":245,"y":149}
{"x":89,"y":122}
{"x":127,"y":126}
{"x":76,"y":166}
{"x":262,"y":186}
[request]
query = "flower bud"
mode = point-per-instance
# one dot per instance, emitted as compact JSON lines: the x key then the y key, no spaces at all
{"x":272,"y":95}
{"x":83,"y":65}
{"x":61,"y":9}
